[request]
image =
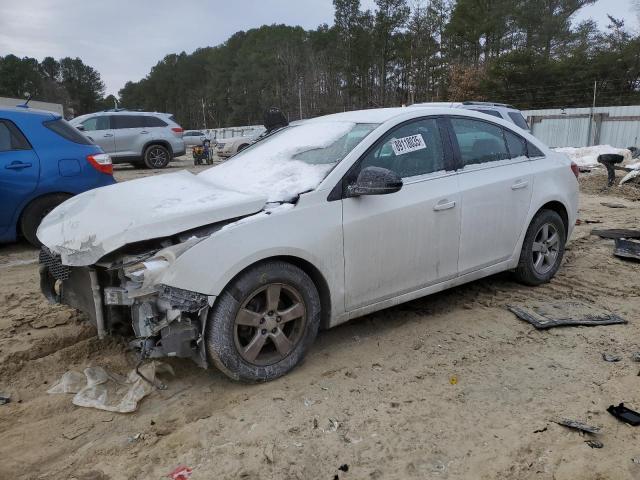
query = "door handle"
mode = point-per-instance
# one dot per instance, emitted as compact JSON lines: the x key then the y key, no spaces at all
{"x":444,"y":205}
{"x":108,"y":135}
{"x":17,"y":165}
{"x":520,"y":184}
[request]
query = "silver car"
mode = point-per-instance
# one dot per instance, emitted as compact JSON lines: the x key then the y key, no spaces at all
{"x":318,"y":223}
{"x":148,"y":138}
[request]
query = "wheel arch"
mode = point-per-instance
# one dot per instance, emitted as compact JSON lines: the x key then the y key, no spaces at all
{"x":163,"y":143}
{"x":310,"y":269}
{"x":560,"y":209}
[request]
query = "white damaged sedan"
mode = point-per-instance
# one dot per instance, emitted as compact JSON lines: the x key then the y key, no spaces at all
{"x":315,"y":224}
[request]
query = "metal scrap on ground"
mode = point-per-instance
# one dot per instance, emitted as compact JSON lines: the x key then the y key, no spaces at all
{"x":576,"y":425}
{"x":569,"y":313}
{"x":615,"y":233}
{"x":627,"y":248}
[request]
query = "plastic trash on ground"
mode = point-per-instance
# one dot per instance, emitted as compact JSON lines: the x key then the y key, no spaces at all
{"x":97,"y":388}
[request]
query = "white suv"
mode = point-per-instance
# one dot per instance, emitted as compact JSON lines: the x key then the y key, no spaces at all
{"x":148,"y":138}
{"x":498,"y":110}
{"x":311,"y":226}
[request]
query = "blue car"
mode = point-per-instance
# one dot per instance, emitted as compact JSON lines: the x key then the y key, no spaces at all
{"x":43,"y":162}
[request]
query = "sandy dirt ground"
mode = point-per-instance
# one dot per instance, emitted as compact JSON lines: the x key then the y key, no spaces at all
{"x":449,"y":386}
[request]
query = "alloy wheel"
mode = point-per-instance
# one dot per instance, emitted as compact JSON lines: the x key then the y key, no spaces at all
{"x":545,"y":248}
{"x":270,"y":324}
{"x":157,"y":157}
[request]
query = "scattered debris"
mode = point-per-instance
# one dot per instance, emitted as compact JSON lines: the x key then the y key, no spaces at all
{"x":587,"y":222}
{"x":74,"y":432}
{"x":4,"y":398}
{"x":344,"y":467}
{"x":616,"y":233}
{"x":613,"y":205}
{"x":594,"y":443}
{"x":100,"y":389}
{"x":453,"y":380}
{"x":635,"y":357}
{"x":181,"y":473}
{"x":625,"y":414}
{"x":540,"y":430}
{"x":611,"y":358}
{"x":566,"y":313}
{"x":308,"y":403}
{"x":635,"y":459}
{"x":576,"y":425}
{"x":627,"y":248}
{"x":610,"y":161}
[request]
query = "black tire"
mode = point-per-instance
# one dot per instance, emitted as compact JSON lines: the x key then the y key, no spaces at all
{"x":33,"y":214}
{"x":527,"y":272}
{"x":242,"y":147}
{"x":222,"y":332}
{"x":156,"y":156}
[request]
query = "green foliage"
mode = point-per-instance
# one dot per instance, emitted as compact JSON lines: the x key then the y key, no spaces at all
{"x":68,"y":81}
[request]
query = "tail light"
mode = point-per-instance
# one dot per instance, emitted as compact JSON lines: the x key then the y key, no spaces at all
{"x":177,"y":130}
{"x":575,"y":169}
{"x":101,"y":162}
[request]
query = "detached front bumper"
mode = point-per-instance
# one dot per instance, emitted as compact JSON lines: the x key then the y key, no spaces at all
{"x":165,"y":321}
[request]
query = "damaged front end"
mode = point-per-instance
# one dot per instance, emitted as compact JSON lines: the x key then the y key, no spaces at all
{"x":123,"y":292}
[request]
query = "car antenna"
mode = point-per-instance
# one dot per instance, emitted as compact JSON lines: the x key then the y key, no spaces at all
{"x":27,"y":95}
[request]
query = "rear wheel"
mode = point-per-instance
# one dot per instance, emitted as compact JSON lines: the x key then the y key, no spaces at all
{"x":35,"y":212}
{"x":542,"y":249}
{"x":263,"y":324}
{"x":243,"y":146}
{"x":156,"y":156}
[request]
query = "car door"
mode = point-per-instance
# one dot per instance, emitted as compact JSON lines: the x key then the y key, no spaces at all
{"x":496,"y":187}
{"x":19,"y":172}
{"x":100,"y":130}
{"x":131,"y":134}
{"x":401,"y":242}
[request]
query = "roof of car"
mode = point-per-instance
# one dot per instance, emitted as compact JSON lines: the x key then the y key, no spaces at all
{"x":381,"y":115}
{"x":28,"y":111}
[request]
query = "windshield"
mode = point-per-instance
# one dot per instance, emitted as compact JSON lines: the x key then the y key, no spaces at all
{"x":292,"y":160}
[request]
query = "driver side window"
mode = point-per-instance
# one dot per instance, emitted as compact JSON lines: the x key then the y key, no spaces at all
{"x":96,"y":123}
{"x":410,"y":150}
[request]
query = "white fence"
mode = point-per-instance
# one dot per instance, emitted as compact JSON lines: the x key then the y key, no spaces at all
{"x":582,"y":127}
{"x":246,"y":131}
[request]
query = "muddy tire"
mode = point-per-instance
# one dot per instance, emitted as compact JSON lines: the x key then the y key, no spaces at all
{"x":242,"y":147}
{"x":156,"y":156}
{"x":542,"y":249}
{"x":263,"y":323}
{"x":35,"y":212}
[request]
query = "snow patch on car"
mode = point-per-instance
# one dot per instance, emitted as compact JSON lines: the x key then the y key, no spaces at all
{"x":270,"y":167}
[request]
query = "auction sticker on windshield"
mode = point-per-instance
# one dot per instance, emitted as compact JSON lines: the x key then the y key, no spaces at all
{"x":408,"y":144}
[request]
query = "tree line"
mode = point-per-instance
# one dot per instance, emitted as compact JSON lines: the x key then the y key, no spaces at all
{"x":527,"y":53}
{"x":67,"y":81}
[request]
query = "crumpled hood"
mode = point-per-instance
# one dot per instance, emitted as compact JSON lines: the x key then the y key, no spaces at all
{"x":88,"y":226}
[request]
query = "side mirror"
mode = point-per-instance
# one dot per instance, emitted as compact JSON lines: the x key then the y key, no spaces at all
{"x":375,"y":181}
{"x":80,"y":127}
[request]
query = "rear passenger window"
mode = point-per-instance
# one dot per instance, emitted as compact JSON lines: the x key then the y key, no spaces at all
{"x":150,"y":121}
{"x":479,"y":141}
{"x":62,"y":128}
{"x":129,"y":121}
{"x":533,"y":151}
{"x":410,"y":150}
{"x":96,"y":123}
{"x":11,"y":138}
{"x":517,"y":145}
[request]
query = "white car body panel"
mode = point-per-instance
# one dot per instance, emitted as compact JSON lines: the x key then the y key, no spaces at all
{"x":372,"y":252}
{"x":99,"y":221}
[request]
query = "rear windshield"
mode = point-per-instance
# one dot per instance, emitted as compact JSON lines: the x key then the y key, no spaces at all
{"x":519,"y":120}
{"x":66,"y":131}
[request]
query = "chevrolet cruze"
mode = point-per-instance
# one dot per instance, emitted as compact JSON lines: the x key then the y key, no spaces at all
{"x":320,"y":222}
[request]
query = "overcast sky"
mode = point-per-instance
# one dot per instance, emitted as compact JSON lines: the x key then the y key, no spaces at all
{"x":123,"y":39}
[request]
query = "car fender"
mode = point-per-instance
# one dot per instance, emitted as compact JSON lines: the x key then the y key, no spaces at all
{"x":310,"y":231}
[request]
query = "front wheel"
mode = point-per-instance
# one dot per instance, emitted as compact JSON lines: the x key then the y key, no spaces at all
{"x":542,"y":249}
{"x":263,"y":324}
{"x":156,"y":156}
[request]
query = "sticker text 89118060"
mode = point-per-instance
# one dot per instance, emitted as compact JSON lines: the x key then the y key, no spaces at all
{"x":408,"y":144}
